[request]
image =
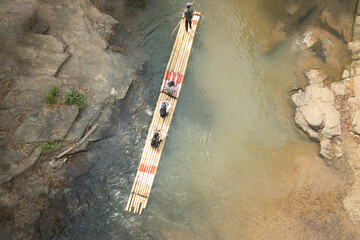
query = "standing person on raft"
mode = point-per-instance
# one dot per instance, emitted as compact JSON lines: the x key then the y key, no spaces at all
{"x":188,"y":14}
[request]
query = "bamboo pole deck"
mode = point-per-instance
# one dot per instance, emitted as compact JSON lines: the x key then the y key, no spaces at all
{"x":175,"y":70}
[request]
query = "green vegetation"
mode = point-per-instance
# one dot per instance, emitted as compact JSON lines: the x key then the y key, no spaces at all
{"x":50,"y":98}
{"x":49,"y":144}
{"x":75,"y":98}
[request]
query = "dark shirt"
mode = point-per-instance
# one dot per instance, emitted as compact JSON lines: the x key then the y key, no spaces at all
{"x":163,"y":112}
{"x":188,"y":14}
{"x":155,"y":142}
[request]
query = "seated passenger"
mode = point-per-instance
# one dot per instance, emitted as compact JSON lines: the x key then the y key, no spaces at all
{"x":165,"y":108}
{"x":170,"y":87}
{"x":157,"y":139}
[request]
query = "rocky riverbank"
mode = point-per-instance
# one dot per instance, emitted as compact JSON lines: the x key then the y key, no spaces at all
{"x":46,"y":44}
{"x":327,"y":110}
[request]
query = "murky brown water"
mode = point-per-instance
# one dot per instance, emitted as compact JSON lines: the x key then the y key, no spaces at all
{"x":234,"y":165}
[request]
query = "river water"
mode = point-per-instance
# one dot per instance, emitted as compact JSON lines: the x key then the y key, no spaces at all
{"x":234,"y":166}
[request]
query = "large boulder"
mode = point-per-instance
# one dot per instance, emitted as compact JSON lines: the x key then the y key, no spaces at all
{"x":315,"y":112}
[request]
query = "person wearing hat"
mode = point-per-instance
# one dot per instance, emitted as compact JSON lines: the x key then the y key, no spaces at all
{"x":170,"y":87}
{"x":165,"y":108}
{"x":157,"y":138}
{"x":188,"y":14}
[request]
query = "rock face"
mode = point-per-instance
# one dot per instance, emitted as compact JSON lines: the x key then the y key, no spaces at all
{"x":47,"y":44}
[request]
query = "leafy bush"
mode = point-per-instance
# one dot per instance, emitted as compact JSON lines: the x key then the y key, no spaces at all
{"x":50,"y":98}
{"x":49,"y":144}
{"x":75,"y":98}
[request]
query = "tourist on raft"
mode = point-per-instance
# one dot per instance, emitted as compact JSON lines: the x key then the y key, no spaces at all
{"x":165,"y":108}
{"x":171,"y":87}
{"x":188,"y":15}
{"x":157,"y":138}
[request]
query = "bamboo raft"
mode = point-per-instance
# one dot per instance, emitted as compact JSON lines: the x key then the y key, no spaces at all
{"x":150,"y":158}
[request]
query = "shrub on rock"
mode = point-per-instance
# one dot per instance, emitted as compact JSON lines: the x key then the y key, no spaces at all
{"x":75,"y":98}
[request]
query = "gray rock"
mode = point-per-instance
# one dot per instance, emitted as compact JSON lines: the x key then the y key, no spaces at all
{"x":13,"y":162}
{"x":40,"y":27}
{"x":313,"y":115}
{"x":43,"y":42}
{"x":327,"y":149}
{"x":87,"y":115}
{"x":315,"y":108}
{"x":356,"y":82}
{"x":345,"y":74}
{"x":34,"y":186}
{"x":331,"y":123}
{"x":47,"y":63}
{"x":27,"y":53}
{"x":357,"y":20}
{"x":318,"y":95}
{"x":301,"y":122}
{"x":338,"y":88}
{"x":354,"y":46}
{"x":315,"y":76}
{"x":354,"y":101}
{"x":105,"y":69}
{"x":337,"y":151}
{"x":104,"y":124}
{"x":298,"y":98}
{"x":46,"y":124}
{"x":356,"y":30}
{"x":6,"y":120}
{"x":356,"y":122}
{"x":27,"y":91}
